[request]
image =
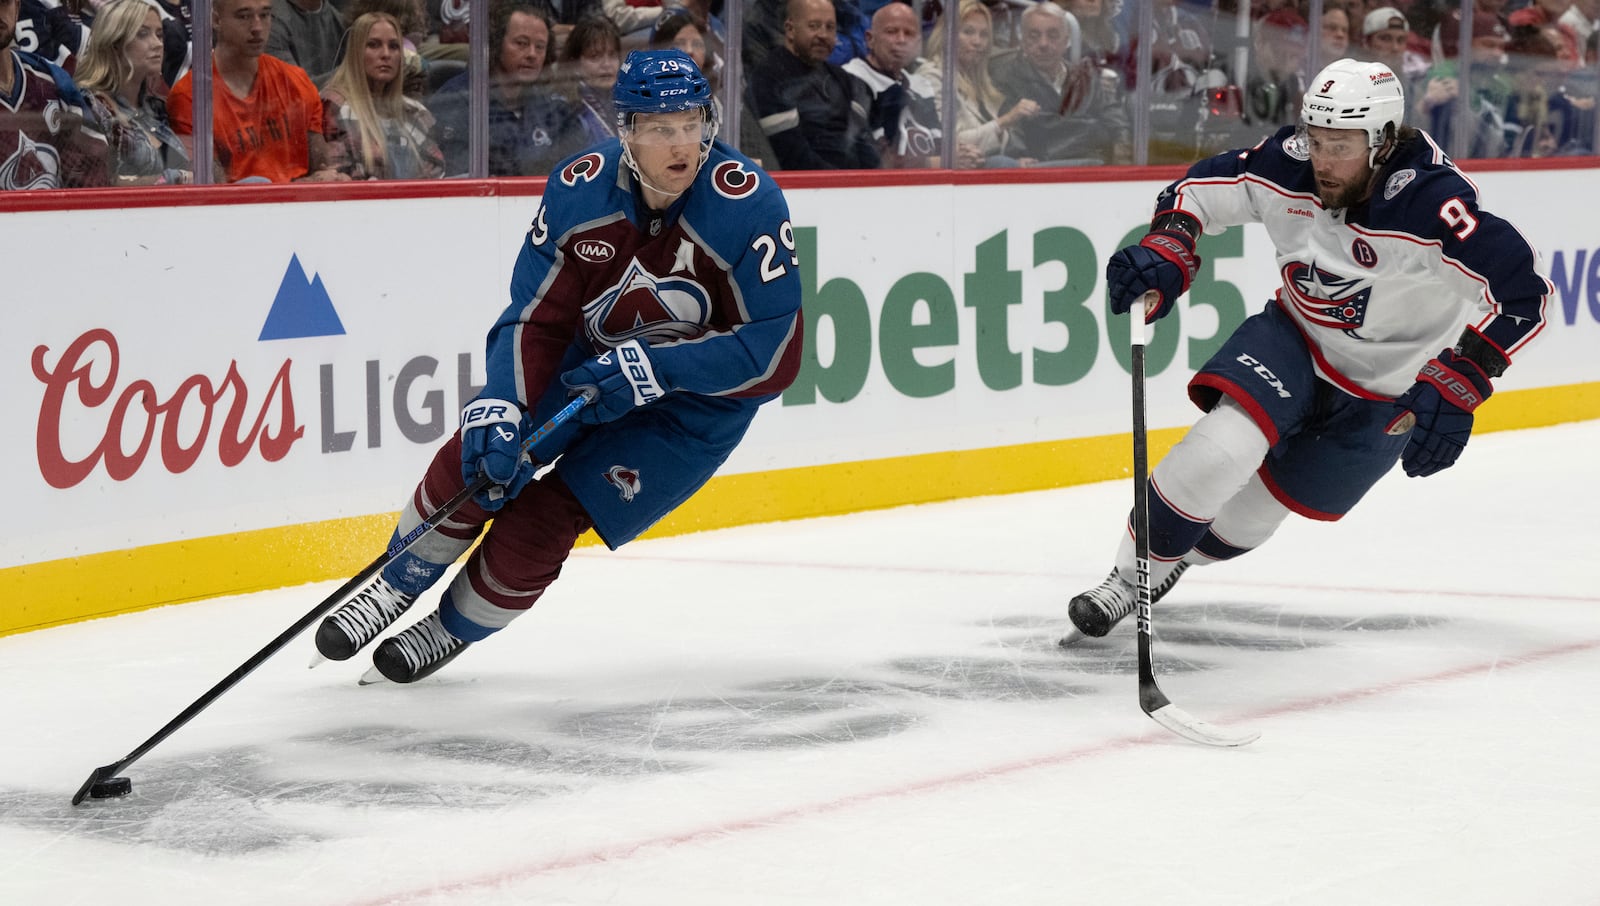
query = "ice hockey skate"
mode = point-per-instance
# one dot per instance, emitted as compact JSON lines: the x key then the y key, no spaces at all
{"x":351,"y":627}
{"x":414,"y":654}
{"x":1095,"y":612}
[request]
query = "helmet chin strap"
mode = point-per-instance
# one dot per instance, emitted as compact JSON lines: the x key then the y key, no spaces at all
{"x":631,"y":164}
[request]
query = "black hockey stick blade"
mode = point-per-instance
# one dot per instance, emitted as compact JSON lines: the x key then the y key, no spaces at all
{"x":103,"y":784}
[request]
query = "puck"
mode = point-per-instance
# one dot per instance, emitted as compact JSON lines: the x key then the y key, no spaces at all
{"x":111,"y":788}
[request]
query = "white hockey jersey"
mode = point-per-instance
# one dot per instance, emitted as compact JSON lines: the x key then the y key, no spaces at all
{"x":1380,"y":288}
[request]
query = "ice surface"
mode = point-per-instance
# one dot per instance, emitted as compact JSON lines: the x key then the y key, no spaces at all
{"x":872,"y":710}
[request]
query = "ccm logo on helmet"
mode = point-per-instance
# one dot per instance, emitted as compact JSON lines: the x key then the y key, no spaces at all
{"x":1321,"y":108}
{"x":672,"y":92}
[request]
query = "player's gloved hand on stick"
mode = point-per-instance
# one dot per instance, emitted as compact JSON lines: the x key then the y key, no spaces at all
{"x":1440,"y":404}
{"x":1164,"y":261}
{"x":492,"y":434}
{"x":617,"y":381}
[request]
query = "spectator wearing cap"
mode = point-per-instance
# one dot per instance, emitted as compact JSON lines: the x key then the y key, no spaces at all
{"x":1546,"y":17}
{"x":1493,"y":91}
{"x":1384,"y":34}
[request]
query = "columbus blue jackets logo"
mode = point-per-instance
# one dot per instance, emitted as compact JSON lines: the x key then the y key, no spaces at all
{"x":642,"y":306}
{"x":1324,"y":298}
{"x":625,"y":480}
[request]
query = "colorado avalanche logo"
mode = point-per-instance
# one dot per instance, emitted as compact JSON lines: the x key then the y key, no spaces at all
{"x":917,"y":139}
{"x":642,"y":306}
{"x":32,"y":166}
{"x":732,"y":180}
{"x":583,"y":169}
{"x":625,"y":480}
{"x":1326,"y":299}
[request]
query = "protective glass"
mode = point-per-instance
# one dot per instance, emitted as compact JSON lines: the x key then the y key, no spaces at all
{"x":654,"y":130}
{"x":1334,"y":144}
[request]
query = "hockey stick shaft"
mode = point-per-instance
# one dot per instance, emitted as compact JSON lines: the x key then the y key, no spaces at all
{"x":400,"y":546}
{"x":1152,"y":700}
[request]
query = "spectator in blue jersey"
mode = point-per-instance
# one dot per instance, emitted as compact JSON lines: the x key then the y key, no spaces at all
{"x":813,"y":112}
{"x":117,"y":73}
{"x":47,"y":136}
{"x":49,"y":30}
{"x":659,"y":281}
{"x":1402,"y":300}
{"x":531,"y":126}
{"x":372,"y":129}
{"x":588,"y":72}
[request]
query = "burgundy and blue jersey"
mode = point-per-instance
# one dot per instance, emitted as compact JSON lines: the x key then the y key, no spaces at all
{"x":710,"y":285}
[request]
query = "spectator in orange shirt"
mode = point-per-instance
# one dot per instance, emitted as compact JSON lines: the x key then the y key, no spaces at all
{"x":266,"y":114}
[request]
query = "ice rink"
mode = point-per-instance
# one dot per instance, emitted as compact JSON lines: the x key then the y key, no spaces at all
{"x":872,"y":710}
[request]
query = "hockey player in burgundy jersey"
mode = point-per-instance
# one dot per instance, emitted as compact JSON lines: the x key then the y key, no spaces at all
{"x":659,"y":278}
{"x":48,"y":140}
{"x":1400,"y":301}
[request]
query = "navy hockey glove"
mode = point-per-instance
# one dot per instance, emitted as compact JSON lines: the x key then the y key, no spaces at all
{"x":1438,"y":411}
{"x":617,"y":381}
{"x":1164,"y":261}
{"x":492,"y":432}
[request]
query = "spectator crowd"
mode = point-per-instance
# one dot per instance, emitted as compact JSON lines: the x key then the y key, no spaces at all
{"x":101,"y":92}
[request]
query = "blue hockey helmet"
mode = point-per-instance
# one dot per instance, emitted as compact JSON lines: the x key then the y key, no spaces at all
{"x":658,"y":81}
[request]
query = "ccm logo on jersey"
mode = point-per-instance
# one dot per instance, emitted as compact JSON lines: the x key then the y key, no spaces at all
{"x":1265,"y":374}
{"x":593,"y":250}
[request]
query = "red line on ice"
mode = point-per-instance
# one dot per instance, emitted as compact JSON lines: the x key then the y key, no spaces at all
{"x":721,"y":830}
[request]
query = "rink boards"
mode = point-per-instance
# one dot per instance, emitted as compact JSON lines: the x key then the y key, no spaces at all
{"x":236,"y":394}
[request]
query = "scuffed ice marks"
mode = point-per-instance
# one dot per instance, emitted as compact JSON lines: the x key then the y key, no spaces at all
{"x":246,"y":799}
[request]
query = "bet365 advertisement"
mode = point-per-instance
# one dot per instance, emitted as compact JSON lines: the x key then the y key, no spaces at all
{"x":198,"y":371}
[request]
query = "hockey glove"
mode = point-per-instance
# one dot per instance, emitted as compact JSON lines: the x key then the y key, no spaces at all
{"x":1164,"y":261}
{"x":1438,"y":410}
{"x":618,"y":381}
{"x":492,"y":432}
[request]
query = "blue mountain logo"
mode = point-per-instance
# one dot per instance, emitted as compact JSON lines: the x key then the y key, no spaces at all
{"x":301,"y":308}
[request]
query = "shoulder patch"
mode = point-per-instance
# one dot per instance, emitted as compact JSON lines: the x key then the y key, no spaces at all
{"x":1295,"y":147}
{"x":1398,"y":181}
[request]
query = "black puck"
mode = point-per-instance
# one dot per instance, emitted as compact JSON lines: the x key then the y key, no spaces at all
{"x":111,"y":788}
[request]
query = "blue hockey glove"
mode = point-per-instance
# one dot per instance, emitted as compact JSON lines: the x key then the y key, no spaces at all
{"x":492,"y":432}
{"x":1164,"y":261}
{"x":1438,"y":411}
{"x":617,"y":381}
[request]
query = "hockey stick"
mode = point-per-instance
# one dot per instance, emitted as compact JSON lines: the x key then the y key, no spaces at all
{"x":1152,"y":700}
{"x":104,"y":783}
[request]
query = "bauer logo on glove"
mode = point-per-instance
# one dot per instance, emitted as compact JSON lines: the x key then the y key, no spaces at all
{"x":618,"y":381}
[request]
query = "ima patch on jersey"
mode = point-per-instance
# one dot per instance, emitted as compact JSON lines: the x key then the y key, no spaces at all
{"x":642,"y":306}
{"x":1325,"y":298}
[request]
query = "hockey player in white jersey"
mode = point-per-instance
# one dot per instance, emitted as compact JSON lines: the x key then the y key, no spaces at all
{"x":1401,"y":301}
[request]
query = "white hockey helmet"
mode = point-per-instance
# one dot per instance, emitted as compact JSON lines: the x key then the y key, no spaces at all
{"x":1348,"y":94}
